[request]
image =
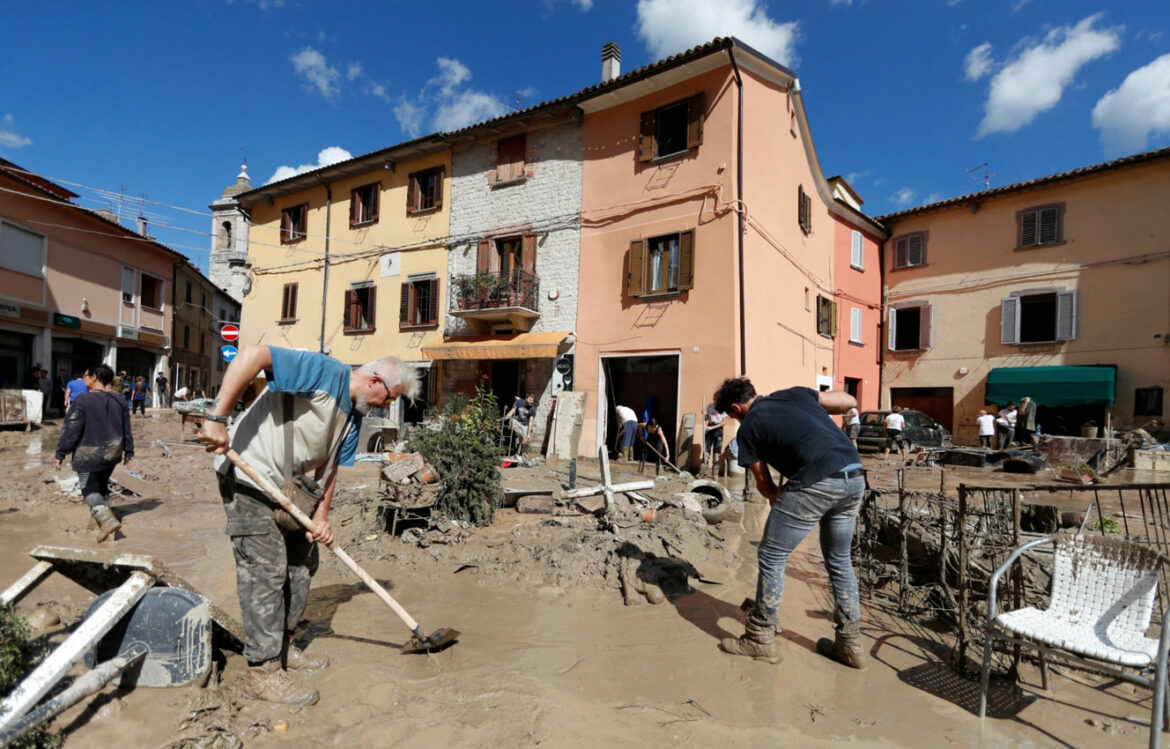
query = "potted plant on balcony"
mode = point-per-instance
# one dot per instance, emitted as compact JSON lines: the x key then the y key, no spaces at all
{"x":466,"y":291}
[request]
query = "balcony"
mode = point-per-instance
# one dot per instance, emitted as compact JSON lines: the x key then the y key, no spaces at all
{"x":485,"y":299}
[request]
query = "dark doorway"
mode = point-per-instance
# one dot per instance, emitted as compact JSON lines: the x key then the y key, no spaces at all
{"x":417,"y":411}
{"x":135,"y":362}
{"x":937,"y":403}
{"x":505,"y":374}
{"x":853,"y":387}
{"x":649,"y":385}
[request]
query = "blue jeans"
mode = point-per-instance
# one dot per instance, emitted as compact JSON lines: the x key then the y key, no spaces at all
{"x":833,"y":503}
{"x":95,"y":486}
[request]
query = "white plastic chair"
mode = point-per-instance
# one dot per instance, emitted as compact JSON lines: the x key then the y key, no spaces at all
{"x":1104,"y":590}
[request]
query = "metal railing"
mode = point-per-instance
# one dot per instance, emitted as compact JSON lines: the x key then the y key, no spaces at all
{"x":492,"y":290}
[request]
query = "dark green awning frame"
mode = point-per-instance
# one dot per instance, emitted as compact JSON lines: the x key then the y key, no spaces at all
{"x":1053,"y":386}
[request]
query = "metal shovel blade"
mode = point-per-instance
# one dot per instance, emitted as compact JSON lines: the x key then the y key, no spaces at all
{"x":437,"y":640}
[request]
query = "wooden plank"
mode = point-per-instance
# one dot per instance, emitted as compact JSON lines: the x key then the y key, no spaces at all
{"x":142,"y":488}
{"x":27,"y":582}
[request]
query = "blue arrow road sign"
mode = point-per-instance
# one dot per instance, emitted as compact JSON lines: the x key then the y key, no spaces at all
{"x":229,"y":352}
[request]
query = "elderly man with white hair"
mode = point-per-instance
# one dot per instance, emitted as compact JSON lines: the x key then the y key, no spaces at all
{"x":296,"y":432}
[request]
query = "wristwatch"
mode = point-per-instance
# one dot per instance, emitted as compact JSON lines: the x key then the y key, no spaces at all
{"x":217,"y":419}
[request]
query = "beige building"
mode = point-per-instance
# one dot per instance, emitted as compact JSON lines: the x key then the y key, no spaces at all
{"x":351,"y":259}
{"x":1057,"y":288}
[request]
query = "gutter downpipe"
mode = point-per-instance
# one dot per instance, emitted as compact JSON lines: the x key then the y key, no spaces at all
{"x":325,"y":275}
{"x":739,"y":213}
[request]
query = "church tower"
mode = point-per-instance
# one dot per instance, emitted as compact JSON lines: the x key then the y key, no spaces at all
{"x":229,"y":240}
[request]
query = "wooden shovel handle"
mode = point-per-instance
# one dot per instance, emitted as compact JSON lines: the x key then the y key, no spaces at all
{"x":270,"y":489}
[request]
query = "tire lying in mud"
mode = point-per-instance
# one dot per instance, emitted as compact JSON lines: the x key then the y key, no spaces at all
{"x":715,"y":497}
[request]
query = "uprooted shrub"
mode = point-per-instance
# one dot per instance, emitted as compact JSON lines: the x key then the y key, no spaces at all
{"x":18,"y":657}
{"x":462,"y":444}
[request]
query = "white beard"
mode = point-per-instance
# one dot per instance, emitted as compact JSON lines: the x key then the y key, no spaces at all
{"x":362,"y":406}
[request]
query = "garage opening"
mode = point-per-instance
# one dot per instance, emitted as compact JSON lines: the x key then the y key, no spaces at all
{"x":937,"y":403}
{"x":648,"y":385}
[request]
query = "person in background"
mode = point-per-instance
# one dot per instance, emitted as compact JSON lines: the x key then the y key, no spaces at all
{"x":160,"y":389}
{"x":629,"y":421}
{"x":116,"y":385}
{"x":97,"y":434}
{"x":986,"y":424}
{"x":1005,"y":426}
{"x":45,"y":385}
{"x":713,"y":437}
{"x":182,"y":394}
{"x":76,"y":387}
{"x":851,"y":425}
{"x":1026,"y":421}
{"x":656,"y":441}
{"x":59,"y":384}
{"x":893,"y":425}
{"x":519,"y":417}
{"x":138,"y":395}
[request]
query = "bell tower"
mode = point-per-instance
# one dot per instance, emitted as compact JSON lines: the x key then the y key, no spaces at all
{"x":229,"y":239}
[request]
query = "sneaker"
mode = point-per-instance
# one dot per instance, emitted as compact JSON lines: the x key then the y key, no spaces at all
{"x":108,"y":523}
{"x":752,"y":648}
{"x":296,"y":660}
{"x":269,"y":682}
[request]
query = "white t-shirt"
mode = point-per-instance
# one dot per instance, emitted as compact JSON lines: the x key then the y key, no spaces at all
{"x":714,"y":417}
{"x":986,"y":424}
{"x":181,"y":393}
{"x":895,"y":420}
{"x":852,"y":417}
{"x":625,"y":414}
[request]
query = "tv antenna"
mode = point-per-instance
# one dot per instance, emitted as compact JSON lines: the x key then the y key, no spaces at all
{"x":987,"y":174}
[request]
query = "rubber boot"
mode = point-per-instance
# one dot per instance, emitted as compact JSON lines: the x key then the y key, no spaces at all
{"x":294,"y":659}
{"x":846,"y":647}
{"x":758,"y":641}
{"x":628,"y":454}
{"x":268,"y":682}
{"x":108,"y":523}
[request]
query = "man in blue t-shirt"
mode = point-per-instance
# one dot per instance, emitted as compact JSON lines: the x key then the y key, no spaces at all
{"x":274,"y":566}
{"x":790,"y":430}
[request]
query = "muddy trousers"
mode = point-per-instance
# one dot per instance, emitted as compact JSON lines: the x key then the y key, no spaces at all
{"x":833,"y":504}
{"x":274,"y":569}
{"x":95,"y":486}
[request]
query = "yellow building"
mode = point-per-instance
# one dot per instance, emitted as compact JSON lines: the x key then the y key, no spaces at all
{"x":1057,"y":288}
{"x":351,"y":259}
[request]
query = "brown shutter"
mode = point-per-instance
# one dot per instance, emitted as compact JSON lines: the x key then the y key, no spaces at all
{"x":483,"y":256}
{"x":648,"y":145}
{"x":1028,"y":229}
{"x":833,"y":319}
{"x":412,"y":193}
{"x":439,"y":174}
{"x":404,"y":305}
{"x":528,"y":253}
{"x":292,"y":307}
{"x":351,"y":310}
{"x":377,"y":188}
{"x":634,"y":286}
{"x":370,"y":312}
{"x":433,"y":302}
{"x":285,"y":226}
{"x":686,"y":260}
{"x":696,"y":111}
{"x":354,"y":202}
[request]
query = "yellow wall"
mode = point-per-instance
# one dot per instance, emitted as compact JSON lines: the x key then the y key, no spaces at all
{"x":354,"y":256}
{"x":1111,"y":219}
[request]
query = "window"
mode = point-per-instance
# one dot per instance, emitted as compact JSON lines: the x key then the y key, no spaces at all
{"x":152,"y":292}
{"x":854,"y":325}
{"x":420,"y":303}
{"x":235,"y":264}
{"x":504,"y":255}
{"x":1147,"y":402}
{"x":662,"y":265}
{"x":1038,"y":317}
{"x":225,"y":235}
{"x":673,"y":129}
{"x":826,"y":317}
{"x":803,"y":210}
{"x":359,"y":309}
{"x":288,"y":303}
{"x":510,"y":158}
{"x":425,"y":190}
{"x":203,"y":343}
{"x":21,"y":250}
{"x":910,"y":327}
{"x":187,"y":294}
{"x":363,"y":204}
{"x":910,"y":250}
{"x":203,"y":300}
{"x":1040,"y":226}
{"x":857,"y":251}
{"x":186,"y":336}
{"x":294,"y":223}
{"x":129,"y":277}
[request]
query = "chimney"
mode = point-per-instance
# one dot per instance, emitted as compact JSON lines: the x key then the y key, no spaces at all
{"x":142,"y":225}
{"x":611,"y":62}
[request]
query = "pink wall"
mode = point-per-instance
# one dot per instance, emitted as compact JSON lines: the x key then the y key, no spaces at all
{"x":860,"y":289}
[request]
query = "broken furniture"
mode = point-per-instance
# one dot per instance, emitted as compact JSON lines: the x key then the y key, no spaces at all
{"x":161,"y":636}
{"x":1103,"y":594}
{"x":12,"y":409}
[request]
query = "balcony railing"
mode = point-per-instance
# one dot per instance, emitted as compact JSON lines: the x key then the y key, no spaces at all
{"x":496,"y":291}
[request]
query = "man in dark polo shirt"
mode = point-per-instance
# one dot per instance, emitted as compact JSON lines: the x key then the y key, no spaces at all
{"x":790,"y":430}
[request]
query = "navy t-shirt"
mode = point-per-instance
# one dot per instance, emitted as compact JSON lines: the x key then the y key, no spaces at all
{"x":790,"y":431}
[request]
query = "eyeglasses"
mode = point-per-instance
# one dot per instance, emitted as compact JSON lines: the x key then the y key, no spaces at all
{"x":389,"y":397}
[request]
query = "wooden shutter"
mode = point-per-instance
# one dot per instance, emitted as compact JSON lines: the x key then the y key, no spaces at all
{"x":1066,"y":315}
{"x":404,"y":305}
{"x":925,"y":326}
{"x":648,"y":143}
{"x":834,"y":312}
{"x":285,"y":226}
{"x":433,"y":302}
{"x":355,"y":199}
{"x":1028,"y":229}
{"x":1049,"y":225}
{"x":483,"y":256}
{"x":634,"y":286}
{"x":440,"y":173}
{"x":1009,"y":320}
{"x":915,"y":250}
{"x":412,"y":193}
{"x":510,"y":158}
{"x":528,"y":253}
{"x":376,"y":202}
{"x":892,"y":324}
{"x":370,"y":311}
{"x":352,"y":310}
{"x":696,"y":112}
{"x":900,"y":252}
{"x":686,"y":260}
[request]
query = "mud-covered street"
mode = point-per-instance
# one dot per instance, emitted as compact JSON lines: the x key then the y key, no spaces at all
{"x":551,"y":653}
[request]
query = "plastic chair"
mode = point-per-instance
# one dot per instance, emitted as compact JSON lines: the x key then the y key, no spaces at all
{"x":1104,"y":590}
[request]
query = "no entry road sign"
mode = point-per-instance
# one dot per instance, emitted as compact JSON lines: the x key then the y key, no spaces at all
{"x":229,"y":332}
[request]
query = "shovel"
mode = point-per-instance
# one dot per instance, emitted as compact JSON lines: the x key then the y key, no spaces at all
{"x":419,"y":642}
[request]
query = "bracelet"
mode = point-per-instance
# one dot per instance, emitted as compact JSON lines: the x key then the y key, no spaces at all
{"x":217,"y":419}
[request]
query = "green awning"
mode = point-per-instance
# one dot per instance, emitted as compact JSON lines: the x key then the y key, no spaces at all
{"x":1053,"y":386}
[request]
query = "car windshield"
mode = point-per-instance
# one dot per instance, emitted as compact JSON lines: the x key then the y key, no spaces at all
{"x":873,"y":417}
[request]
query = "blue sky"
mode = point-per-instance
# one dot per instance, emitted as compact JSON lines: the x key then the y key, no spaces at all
{"x":160,"y":101}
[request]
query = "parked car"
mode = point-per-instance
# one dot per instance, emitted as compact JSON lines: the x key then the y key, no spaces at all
{"x":920,"y":430}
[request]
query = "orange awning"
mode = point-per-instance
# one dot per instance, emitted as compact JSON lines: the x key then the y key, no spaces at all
{"x":515,"y":346}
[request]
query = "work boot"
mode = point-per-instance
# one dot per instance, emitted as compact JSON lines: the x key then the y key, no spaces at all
{"x":296,"y":660}
{"x":759,"y":642}
{"x":846,"y":646}
{"x":268,"y":682}
{"x":108,"y":523}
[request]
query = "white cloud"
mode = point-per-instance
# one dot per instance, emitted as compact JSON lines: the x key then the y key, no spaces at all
{"x":467,"y":108}
{"x":410,"y":116}
{"x":9,"y":138}
{"x":1035,"y":80}
{"x":978,"y":62}
{"x":840,"y":2}
{"x":1128,"y":115}
{"x":353,"y":71}
{"x":319,"y":76}
{"x":903,"y":197}
{"x":672,"y":26}
{"x":454,"y":104}
{"x":327,"y":156}
{"x":452,"y":74}
{"x":1018,"y":5}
